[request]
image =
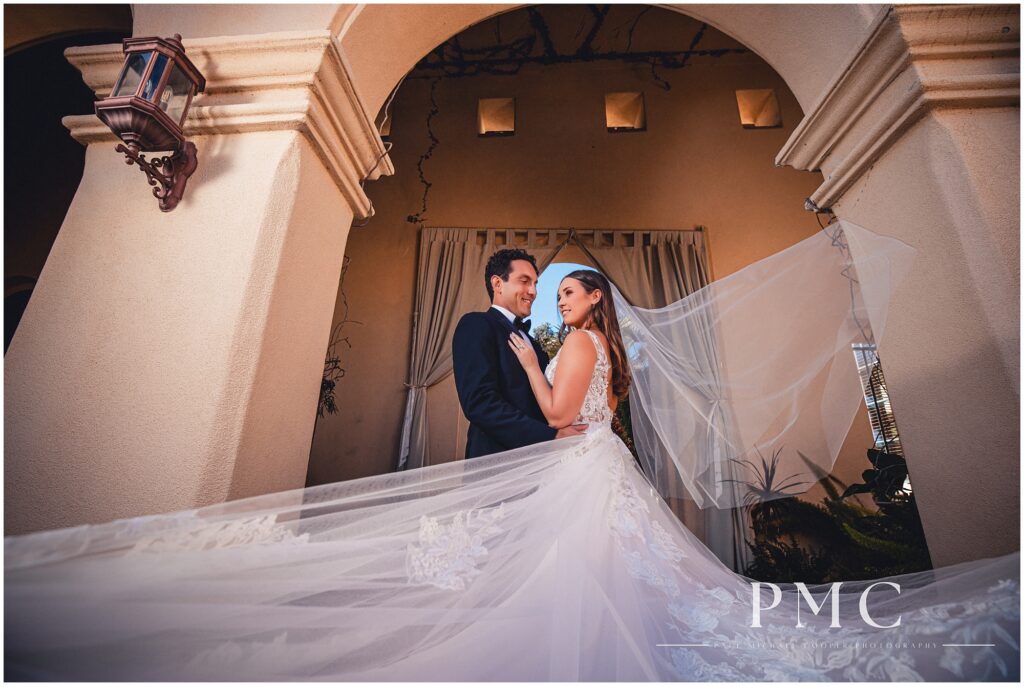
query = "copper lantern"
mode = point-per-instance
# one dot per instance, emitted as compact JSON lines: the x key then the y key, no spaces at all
{"x":147,"y":108}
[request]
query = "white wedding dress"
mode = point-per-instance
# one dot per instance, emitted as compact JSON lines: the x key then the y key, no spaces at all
{"x":552,"y":562}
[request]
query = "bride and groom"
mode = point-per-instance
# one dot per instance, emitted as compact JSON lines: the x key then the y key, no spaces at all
{"x":495,"y":373}
{"x":535,"y":560}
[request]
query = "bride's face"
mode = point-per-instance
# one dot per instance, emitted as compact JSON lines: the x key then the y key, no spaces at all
{"x":518,"y":293}
{"x":574,"y":303}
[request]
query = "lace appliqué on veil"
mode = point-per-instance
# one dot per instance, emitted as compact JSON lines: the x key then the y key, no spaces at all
{"x":629,"y":518}
{"x":447,"y":555}
{"x":652,"y":556}
{"x":206,"y":535}
{"x":1000,"y":605}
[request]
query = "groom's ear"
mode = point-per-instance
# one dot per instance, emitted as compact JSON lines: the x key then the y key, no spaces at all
{"x":495,"y":281}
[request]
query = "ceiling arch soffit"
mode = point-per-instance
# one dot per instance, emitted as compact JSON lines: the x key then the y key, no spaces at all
{"x":811,"y":42}
{"x":29,"y":25}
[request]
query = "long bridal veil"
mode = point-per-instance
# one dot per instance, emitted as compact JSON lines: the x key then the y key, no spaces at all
{"x":557,"y":561}
{"x":755,"y":373}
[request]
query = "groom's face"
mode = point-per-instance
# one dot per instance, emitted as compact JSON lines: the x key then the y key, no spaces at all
{"x":518,"y":293}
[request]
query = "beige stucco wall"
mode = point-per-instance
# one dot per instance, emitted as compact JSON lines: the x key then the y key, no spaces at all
{"x":137,"y":381}
{"x":695,"y":165}
{"x":230,"y":19}
{"x":964,"y":223}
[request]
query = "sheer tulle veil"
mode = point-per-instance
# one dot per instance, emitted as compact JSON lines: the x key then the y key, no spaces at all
{"x":557,"y":561}
{"x":756,"y":371}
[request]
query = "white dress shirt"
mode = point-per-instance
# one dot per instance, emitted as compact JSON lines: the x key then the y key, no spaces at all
{"x":508,"y":315}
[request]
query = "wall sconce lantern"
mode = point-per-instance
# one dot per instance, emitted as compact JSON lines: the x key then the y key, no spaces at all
{"x":146,"y":109}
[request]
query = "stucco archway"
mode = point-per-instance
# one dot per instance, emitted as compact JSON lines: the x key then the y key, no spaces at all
{"x":681,"y":130}
{"x":806,"y":44}
{"x":383,"y":44}
{"x":359,"y":442}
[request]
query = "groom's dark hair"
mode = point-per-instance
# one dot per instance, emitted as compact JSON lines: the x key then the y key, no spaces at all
{"x":500,"y":264}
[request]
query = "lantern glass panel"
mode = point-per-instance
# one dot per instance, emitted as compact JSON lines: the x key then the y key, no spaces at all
{"x":175,"y":95}
{"x":131,"y":75}
{"x":149,"y":89}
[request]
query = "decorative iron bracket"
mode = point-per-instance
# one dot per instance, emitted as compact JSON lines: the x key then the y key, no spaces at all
{"x":167,"y":174}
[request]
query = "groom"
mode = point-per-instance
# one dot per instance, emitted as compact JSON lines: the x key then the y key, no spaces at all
{"x":493,"y":389}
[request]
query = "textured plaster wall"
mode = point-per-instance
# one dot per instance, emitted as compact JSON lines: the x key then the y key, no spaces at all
{"x":230,"y":20}
{"x":694,"y":165}
{"x":131,"y":379}
{"x":954,"y":323}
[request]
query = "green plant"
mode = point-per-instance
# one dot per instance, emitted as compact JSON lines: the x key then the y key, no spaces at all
{"x":885,"y":480}
{"x":547,"y":336}
{"x":841,"y":539}
{"x":779,"y":561}
{"x":763,"y":495}
{"x":333,"y":370}
{"x":622,"y":425}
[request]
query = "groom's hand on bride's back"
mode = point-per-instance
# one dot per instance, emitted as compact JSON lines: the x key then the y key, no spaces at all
{"x":571,"y":430}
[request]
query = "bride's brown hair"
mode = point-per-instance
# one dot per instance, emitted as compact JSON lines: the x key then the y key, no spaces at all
{"x":602,"y":318}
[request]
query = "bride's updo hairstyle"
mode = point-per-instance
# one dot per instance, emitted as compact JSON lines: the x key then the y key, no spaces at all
{"x":602,"y":318}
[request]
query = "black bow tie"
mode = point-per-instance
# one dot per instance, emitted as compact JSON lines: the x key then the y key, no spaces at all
{"x":522,"y":324}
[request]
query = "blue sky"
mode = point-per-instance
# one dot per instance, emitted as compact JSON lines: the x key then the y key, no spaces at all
{"x":544,"y":307}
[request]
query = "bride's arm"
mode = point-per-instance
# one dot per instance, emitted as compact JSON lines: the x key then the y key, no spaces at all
{"x":560,"y":404}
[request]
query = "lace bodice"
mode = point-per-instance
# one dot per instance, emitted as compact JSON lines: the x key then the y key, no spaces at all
{"x":595,"y":410}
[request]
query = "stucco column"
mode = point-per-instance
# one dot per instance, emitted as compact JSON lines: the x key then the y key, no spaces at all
{"x":171,"y":360}
{"x":919,"y":139}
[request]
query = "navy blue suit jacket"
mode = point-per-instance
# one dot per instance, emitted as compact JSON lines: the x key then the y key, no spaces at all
{"x":494,"y":391}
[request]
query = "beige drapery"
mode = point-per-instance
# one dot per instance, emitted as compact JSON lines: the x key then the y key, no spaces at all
{"x":650,"y":268}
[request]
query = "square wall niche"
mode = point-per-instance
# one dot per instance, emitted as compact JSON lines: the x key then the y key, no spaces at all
{"x":759,"y":109}
{"x":625,"y":112}
{"x":496,"y":117}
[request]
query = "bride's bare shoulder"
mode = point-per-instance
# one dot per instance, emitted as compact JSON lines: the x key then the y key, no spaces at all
{"x":583,"y":335}
{"x":601,"y":340}
{"x":578,"y":345}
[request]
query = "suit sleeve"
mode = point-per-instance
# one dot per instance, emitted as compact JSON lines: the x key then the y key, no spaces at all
{"x":476,"y":368}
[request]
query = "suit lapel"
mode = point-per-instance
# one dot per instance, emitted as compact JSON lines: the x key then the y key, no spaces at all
{"x":500,"y":318}
{"x":503,"y":320}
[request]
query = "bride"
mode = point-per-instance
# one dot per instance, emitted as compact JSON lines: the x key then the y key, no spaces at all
{"x":558,"y":561}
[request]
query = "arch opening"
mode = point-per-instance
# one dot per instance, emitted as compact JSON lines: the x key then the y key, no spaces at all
{"x":694,"y":166}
